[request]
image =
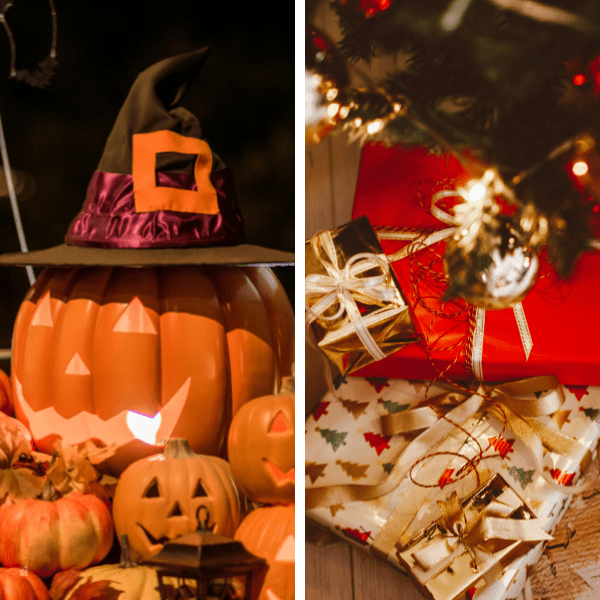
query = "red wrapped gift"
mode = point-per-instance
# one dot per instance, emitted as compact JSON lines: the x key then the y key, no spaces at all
{"x":395,"y":189}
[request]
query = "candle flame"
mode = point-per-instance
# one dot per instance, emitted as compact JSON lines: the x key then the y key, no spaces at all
{"x":143,"y":427}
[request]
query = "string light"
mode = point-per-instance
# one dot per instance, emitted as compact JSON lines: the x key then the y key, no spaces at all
{"x":580,"y":168}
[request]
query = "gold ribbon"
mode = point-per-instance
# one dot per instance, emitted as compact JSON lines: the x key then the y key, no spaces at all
{"x":345,"y":286}
{"x":473,"y":530}
{"x":424,"y":241}
{"x":505,"y":401}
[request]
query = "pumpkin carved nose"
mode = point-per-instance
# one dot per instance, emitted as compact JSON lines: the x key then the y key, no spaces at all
{"x":176,"y":511}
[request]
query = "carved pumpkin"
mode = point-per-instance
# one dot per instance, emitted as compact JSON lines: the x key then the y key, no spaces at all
{"x":157,"y":498}
{"x":261,"y":449}
{"x":269,"y":532}
{"x":48,"y":536}
{"x":20,"y":584}
{"x":6,"y":402}
{"x":136,"y":356}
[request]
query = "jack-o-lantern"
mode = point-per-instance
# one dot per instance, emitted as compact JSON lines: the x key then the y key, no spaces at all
{"x":135,"y":356}
{"x":261,"y":449}
{"x":269,"y":532}
{"x":157,"y":498}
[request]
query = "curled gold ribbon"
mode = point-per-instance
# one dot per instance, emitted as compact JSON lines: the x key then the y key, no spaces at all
{"x":502,"y":404}
{"x":345,"y":286}
{"x":473,"y":530}
{"x":422,"y":241}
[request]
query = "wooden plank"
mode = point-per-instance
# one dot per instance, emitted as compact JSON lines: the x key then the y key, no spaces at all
{"x":345,"y":160}
{"x":318,"y":187}
{"x":328,"y":572}
{"x":374,"y":580}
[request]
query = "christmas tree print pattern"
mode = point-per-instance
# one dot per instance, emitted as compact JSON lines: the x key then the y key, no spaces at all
{"x":523,"y":476}
{"x":320,"y":410}
{"x":314,"y":471}
{"x":378,"y":382}
{"x":579,"y":391}
{"x":353,"y":470}
{"x":591,"y":413}
{"x":378,"y":441}
{"x":354,"y":407}
{"x":334,"y":438}
{"x":387,"y":467}
{"x":392,"y":407}
{"x":502,"y":446}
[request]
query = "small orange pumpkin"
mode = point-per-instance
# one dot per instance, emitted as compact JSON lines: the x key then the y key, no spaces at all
{"x":48,"y":536}
{"x":20,"y":584}
{"x":269,"y":532}
{"x":157,"y":498}
{"x":134,"y":356}
{"x":6,"y":401}
{"x":261,"y":449}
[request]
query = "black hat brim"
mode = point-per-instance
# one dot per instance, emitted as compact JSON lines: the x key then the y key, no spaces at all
{"x":80,"y":256}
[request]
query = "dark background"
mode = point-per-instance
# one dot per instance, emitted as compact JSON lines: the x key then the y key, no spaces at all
{"x":243,"y":98}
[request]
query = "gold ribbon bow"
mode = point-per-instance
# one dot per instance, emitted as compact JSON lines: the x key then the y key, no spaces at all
{"x":475,"y":530}
{"x":507,"y":402}
{"x":386,"y":233}
{"x":345,"y":287}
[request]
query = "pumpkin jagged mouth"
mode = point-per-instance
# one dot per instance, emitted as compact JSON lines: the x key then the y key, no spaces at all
{"x":281,"y":477}
{"x":153,"y":541}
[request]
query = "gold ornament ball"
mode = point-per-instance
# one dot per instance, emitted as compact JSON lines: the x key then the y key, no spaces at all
{"x":497,"y":278}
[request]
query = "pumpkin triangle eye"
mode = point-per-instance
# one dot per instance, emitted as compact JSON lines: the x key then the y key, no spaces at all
{"x":176,"y":511}
{"x":43,"y":313}
{"x":287,"y":551}
{"x":76,"y":366}
{"x":152,"y":490}
{"x":135,"y":319}
{"x":200,"y":492}
{"x":279,"y":424}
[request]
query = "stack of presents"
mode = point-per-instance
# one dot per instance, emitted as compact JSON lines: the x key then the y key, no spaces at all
{"x":454,"y":437}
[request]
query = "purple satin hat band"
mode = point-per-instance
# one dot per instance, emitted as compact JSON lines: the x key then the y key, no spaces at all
{"x":108,"y":218}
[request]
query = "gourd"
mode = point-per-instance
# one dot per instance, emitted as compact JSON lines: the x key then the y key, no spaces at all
{"x":19,"y":584}
{"x":46,"y":535}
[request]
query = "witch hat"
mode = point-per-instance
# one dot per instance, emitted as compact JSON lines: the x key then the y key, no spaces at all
{"x":160,"y":196}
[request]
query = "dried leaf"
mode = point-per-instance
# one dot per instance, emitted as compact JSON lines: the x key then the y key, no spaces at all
{"x":72,"y":469}
{"x":63,"y":582}
{"x":14,"y":439}
{"x":96,"y":590}
{"x":19,"y":484}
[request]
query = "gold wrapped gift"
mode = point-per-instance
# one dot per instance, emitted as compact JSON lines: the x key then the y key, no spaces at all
{"x":354,"y":305}
{"x":468,"y":548}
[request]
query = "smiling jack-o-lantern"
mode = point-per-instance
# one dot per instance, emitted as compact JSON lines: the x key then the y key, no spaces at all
{"x":132,"y":357}
{"x":158,"y":497}
{"x":261,"y":449}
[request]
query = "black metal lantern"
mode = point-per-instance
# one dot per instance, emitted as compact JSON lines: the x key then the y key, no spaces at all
{"x":210,"y":559}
